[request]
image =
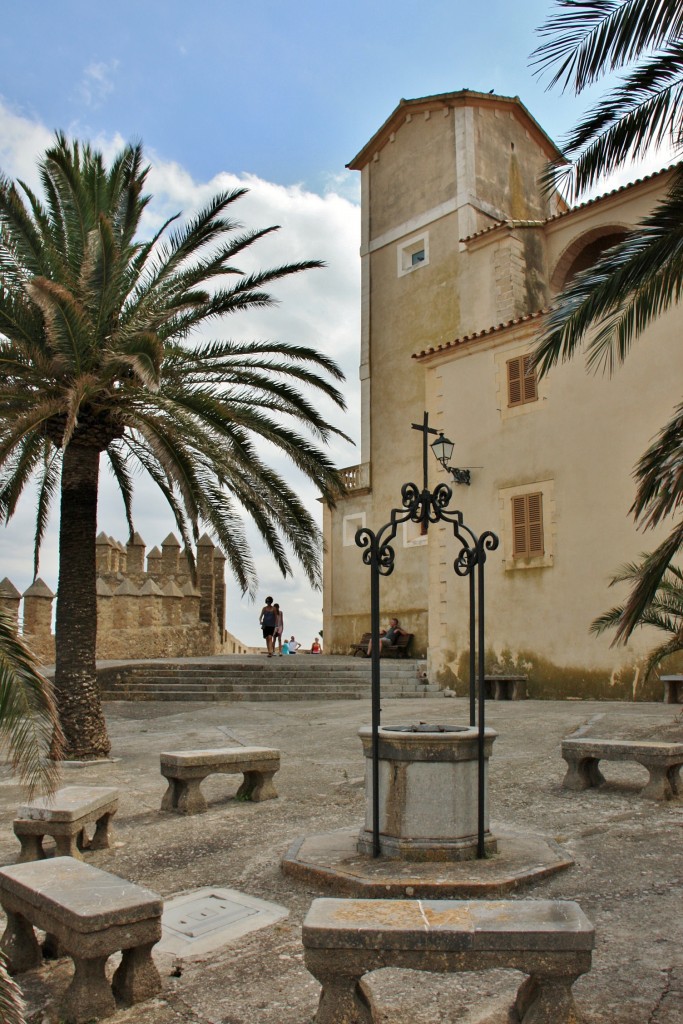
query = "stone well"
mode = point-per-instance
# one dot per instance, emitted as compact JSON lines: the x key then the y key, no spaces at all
{"x":427,"y":792}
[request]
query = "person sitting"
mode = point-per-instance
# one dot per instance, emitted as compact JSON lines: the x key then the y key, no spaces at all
{"x":315,"y":647}
{"x":285,"y":646}
{"x":294,"y":645}
{"x":388,"y":637}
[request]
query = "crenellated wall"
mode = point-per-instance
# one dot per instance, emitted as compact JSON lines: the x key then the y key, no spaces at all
{"x":157,"y":612}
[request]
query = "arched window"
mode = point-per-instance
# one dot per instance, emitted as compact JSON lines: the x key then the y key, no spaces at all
{"x":583,"y":253}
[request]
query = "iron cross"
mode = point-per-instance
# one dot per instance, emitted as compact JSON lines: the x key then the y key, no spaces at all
{"x":426,"y":429}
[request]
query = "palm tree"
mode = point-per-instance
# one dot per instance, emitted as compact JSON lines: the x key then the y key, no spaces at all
{"x":29,"y":727}
{"x":641,"y":277}
{"x":664,"y":612}
{"x":98,"y":354}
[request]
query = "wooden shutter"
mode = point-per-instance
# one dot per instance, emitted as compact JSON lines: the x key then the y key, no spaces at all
{"x":529,"y":392}
{"x":527,"y":525}
{"x":514,"y":382}
{"x":522,"y":387}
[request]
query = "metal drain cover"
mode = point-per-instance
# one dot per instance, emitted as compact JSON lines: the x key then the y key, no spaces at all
{"x":206,"y":919}
{"x":205,"y":914}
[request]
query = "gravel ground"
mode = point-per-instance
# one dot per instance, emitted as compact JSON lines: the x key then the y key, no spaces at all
{"x":628,"y":853}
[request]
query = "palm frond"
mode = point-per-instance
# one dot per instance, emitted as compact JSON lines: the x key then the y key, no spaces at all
{"x":588,"y":38}
{"x":653,"y":570}
{"x":48,"y":486}
{"x":12,"y":1005}
{"x":28,"y":713}
{"x":119,"y":467}
{"x":659,"y":474}
{"x":663,"y":610}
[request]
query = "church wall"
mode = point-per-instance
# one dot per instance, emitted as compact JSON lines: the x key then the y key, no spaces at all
{"x":413,"y":173}
{"x":578,"y":445}
{"x":508,"y":162}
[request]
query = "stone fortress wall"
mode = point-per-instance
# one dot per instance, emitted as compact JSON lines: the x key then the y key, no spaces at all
{"x":157,"y":612}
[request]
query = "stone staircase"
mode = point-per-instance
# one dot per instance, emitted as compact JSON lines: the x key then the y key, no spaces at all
{"x":258,"y":678}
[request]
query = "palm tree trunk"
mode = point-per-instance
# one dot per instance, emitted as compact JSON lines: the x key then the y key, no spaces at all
{"x":78,"y":697}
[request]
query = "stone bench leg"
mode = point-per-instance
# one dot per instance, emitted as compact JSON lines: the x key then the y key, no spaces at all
{"x":136,"y":978}
{"x":31,"y":848}
{"x":89,"y":995}
{"x":67,"y":846}
{"x":547,"y":1000}
{"x":101,"y":840}
{"x":184,"y":796}
{"x":19,"y":944}
{"x":658,"y":786}
{"x":257,"y":786}
{"x":52,"y":948}
{"x":342,"y":1000}
{"x":582,"y":773}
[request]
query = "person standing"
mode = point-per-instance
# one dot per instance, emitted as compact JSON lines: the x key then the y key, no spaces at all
{"x":279,"y":626}
{"x":267,"y":620}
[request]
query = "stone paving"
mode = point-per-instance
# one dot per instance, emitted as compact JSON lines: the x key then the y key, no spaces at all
{"x":627,"y":878}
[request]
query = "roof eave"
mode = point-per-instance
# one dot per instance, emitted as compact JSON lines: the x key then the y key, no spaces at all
{"x":461,"y":98}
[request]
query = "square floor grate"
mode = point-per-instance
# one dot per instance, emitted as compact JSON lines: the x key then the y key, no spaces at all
{"x":205,"y":914}
{"x":206,"y":919}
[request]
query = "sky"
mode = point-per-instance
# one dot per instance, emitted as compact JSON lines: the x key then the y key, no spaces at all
{"x":274,"y":96}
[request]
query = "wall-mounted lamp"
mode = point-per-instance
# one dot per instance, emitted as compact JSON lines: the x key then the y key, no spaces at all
{"x":443,"y":450}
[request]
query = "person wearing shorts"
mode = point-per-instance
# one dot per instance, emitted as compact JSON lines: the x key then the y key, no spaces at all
{"x":268,"y":620}
{"x":279,"y":626}
{"x":389,"y":636}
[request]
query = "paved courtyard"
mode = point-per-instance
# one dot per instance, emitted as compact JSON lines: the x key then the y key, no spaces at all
{"x":628,"y":853}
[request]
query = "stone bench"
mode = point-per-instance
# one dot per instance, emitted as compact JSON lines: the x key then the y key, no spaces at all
{"x":64,"y":816}
{"x":87,"y":914}
{"x":505,"y":687}
{"x":673,"y":689}
{"x":187,"y":769}
{"x":662,"y":760}
{"x":549,"y":940}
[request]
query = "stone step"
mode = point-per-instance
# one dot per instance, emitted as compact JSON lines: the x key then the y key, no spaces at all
{"x":262,"y":695}
{"x":257,"y":678}
{"x":277,"y":669}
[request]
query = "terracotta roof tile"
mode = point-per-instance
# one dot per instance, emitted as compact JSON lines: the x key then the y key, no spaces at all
{"x":457,"y":342}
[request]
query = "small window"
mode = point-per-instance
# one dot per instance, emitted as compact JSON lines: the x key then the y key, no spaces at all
{"x":414,"y":534}
{"x":527,"y":525}
{"x":522,"y":381}
{"x":412,"y":254}
{"x":351,"y":524}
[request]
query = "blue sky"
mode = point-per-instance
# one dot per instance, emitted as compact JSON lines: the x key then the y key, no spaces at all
{"x":277,"y":96}
{"x":287,"y":91}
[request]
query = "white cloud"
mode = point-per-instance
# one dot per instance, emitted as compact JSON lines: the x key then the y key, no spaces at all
{"x":21,"y":140}
{"x":98,"y":82}
{"x":319,"y":308}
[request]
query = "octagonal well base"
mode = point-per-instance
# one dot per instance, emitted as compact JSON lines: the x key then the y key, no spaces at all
{"x":422,"y":850}
{"x":330,"y":861}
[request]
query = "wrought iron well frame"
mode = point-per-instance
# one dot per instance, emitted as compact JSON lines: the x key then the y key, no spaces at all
{"x":424,"y":507}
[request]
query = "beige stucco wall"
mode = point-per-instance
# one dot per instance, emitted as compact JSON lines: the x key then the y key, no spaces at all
{"x":578,"y":445}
